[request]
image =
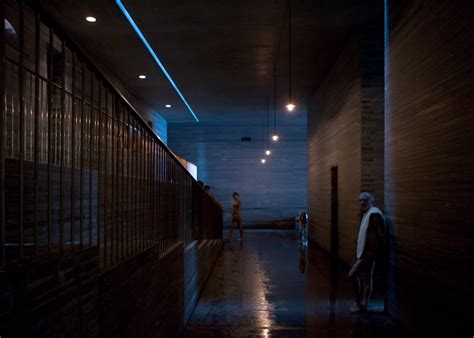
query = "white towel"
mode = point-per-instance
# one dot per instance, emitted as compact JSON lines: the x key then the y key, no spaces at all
{"x":364,"y":225}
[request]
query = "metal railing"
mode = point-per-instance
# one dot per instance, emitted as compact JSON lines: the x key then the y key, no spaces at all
{"x":78,"y":166}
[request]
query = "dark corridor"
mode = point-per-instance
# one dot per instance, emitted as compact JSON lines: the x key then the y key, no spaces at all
{"x":105,"y":230}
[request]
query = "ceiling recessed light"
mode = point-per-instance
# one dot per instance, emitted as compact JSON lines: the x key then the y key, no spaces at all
{"x":91,"y":19}
{"x":168,"y":106}
{"x":142,"y":77}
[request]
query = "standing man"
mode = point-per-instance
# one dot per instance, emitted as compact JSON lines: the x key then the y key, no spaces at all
{"x":369,"y":245}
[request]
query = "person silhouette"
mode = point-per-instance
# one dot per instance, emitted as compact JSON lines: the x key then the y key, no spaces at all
{"x":369,"y":244}
{"x":235,"y":217}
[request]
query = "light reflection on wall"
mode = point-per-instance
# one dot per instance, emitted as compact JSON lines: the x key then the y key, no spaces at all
{"x":389,"y":198}
{"x":201,"y":161}
{"x":9,"y":28}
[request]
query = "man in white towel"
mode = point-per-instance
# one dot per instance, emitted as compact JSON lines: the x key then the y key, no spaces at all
{"x":370,"y":244}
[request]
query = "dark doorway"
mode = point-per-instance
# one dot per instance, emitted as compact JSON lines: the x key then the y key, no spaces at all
{"x":334,"y":213}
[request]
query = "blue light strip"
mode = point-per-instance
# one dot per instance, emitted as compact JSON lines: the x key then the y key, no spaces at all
{"x":153,"y":54}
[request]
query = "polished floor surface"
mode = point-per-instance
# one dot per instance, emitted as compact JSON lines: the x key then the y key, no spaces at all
{"x":270,"y":286}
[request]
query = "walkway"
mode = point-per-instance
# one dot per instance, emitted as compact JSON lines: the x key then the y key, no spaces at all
{"x":268,"y":287}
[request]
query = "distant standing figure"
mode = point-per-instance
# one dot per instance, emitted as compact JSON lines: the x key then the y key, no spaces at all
{"x":369,"y":244}
{"x":235,"y":218}
{"x":304,"y":227}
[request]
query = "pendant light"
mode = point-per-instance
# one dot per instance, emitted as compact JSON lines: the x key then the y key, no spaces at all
{"x":268,"y":151}
{"x":275,"y":135}
{"x":290,"y":106}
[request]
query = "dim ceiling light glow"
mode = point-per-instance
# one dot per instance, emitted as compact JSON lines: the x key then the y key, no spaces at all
{"x":154,"y":56}
{"x":275,"y":137}
{"x":142,"y":77}
{"x":268,"y":152}
{"x":168,"y":106}
{"x":263,"y":160}
{"x":290,"y":106}
{"x":91,"y":19}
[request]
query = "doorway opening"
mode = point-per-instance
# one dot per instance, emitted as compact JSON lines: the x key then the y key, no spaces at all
{"x":334,"y":212}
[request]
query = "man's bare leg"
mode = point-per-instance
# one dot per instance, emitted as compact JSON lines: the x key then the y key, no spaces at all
{"x":367,"y":287}
{"x":366,"y":290}
{"x":356,"y":285}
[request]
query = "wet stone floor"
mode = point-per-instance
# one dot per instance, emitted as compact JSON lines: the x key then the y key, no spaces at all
{"x":271,"y":286}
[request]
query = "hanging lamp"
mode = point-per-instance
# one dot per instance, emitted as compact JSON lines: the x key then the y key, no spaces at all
{"x":290,"y":106}
{"x":267,"y":137}
{"x":275,"y":135}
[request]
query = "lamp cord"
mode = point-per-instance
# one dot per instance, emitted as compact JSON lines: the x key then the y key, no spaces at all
{"x":274,"y":98}
{"x":289,"y":45}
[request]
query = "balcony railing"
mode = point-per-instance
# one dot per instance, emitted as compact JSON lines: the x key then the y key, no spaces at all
{"x":78,"y":166}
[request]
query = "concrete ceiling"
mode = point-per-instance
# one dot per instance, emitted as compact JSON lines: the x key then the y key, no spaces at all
{"x":219,"y":53}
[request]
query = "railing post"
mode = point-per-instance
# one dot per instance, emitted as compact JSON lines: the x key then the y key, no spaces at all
{"x":106,"y":159}
{"x":73,"y":149}
{"x":81,"y":173}
{"x":22,"y":129}
{"x":135,"y":187}
{"x":92,"y":135}
{"x":99,"y":168}
{"x":113,"y":195}
{"x":155,"y":191}
{"x":62,"y":146}
{"x":37,"y":140}
{"x":142,"y":188}
{"x":120,"y":176}
{"x":50,"y":134}
{"x":2,"y":134}
{"x":128,"y":194}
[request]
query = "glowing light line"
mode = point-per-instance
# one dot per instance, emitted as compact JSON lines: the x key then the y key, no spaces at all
{"x":155,"y":57}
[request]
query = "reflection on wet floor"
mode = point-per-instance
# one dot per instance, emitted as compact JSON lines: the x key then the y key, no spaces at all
{"x":268,"y":286}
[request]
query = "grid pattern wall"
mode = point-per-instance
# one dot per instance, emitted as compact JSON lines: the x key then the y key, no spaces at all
{"x":79,"y":167}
